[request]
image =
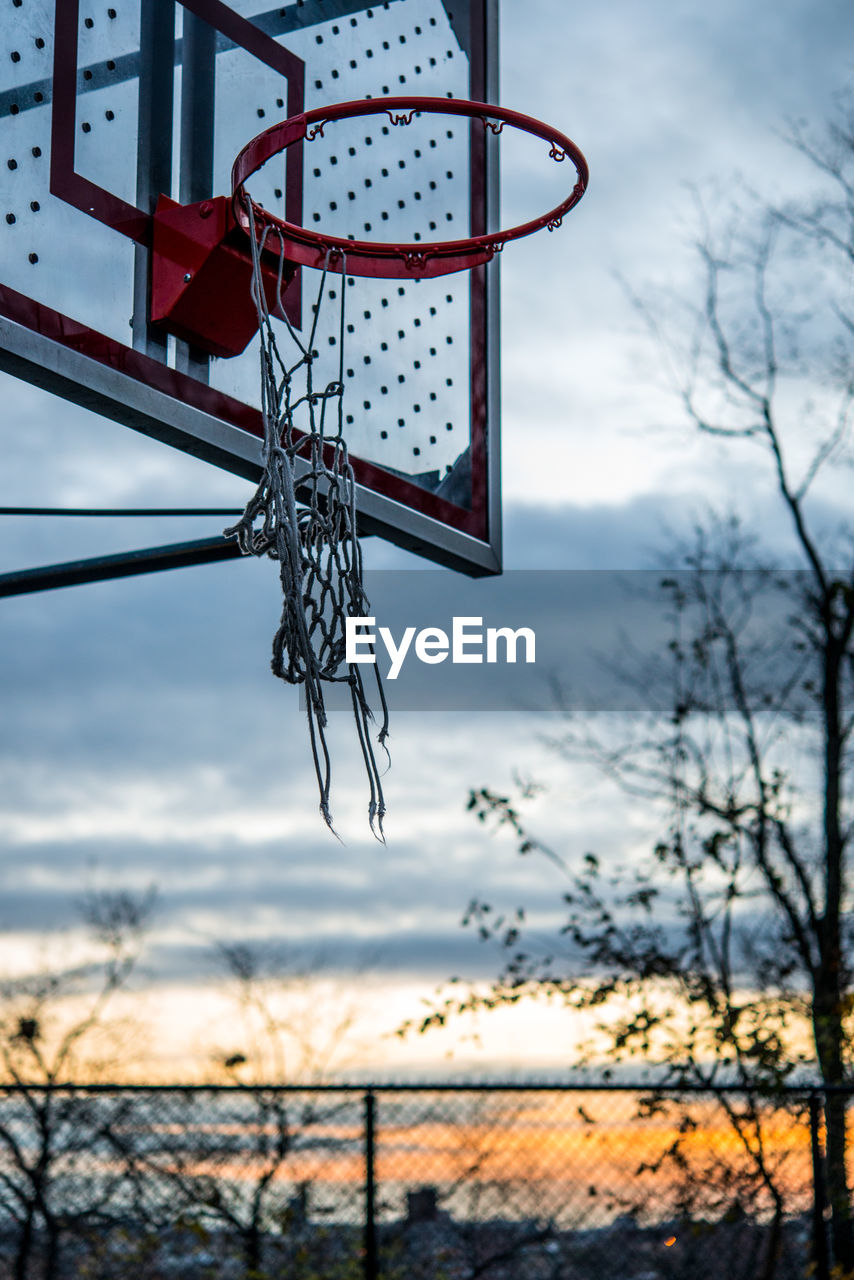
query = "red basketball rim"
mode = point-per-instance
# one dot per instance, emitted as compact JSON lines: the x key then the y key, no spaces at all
{"x":378,"y":258}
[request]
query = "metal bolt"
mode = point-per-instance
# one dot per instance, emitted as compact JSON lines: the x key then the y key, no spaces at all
{"x":187,"y":278}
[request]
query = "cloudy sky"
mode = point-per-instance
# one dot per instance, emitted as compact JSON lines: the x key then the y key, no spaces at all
{"x":144,"y":740}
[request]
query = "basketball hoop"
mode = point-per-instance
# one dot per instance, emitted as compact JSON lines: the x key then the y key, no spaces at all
{"x":316,"y":545}
{"x":376,"y":258}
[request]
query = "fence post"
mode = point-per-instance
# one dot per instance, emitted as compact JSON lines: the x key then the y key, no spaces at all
{"x":820,"y":1259}
{"x":371,"y":1263}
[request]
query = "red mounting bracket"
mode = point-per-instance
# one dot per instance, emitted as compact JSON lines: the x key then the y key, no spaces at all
{"x":201,"y":276}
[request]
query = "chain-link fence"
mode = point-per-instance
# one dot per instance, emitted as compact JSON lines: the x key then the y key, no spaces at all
{"x":410,"y":1183}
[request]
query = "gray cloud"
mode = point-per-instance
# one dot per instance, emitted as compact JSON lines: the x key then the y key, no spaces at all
{"x":143,"y":734}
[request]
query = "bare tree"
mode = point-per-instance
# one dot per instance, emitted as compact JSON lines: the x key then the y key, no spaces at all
{"x":296,"y":1020}
{"x":50,"y":1023}
{"x":729,"y":946}
{"x":290,"y":1024}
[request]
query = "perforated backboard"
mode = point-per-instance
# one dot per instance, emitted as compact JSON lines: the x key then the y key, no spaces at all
{"x":106,"y":104}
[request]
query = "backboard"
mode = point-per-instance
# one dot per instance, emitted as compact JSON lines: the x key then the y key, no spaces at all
{"x":106,"y":105}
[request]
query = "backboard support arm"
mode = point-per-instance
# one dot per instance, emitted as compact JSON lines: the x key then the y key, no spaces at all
{"x":154,"y":157}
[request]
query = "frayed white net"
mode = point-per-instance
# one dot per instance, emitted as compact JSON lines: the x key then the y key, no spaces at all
{"x":303,"y":514}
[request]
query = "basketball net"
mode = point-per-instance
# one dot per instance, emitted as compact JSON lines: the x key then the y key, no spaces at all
{"x":313,"y":538}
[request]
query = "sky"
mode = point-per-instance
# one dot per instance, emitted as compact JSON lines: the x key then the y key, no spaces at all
{"x":144,"y":740}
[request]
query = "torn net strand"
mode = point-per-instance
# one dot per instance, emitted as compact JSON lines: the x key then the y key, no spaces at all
{"x":316,"y":544}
